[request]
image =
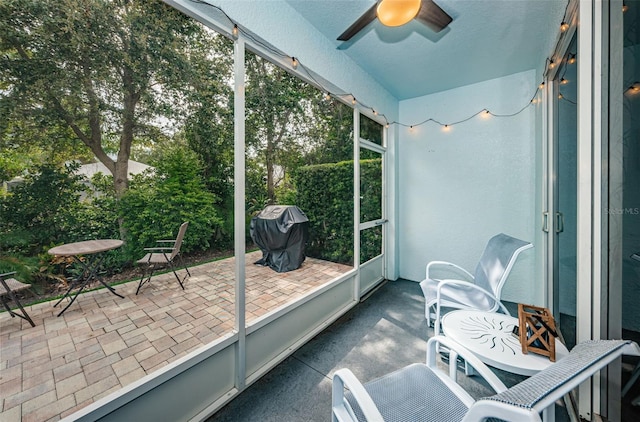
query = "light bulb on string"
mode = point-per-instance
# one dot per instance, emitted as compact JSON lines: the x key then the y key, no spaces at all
{"x":571,"y":59}
{"x":327,"y":96}
{"x":387,"y":126}
{"x":634,"y":88}
{"x":563,"y":81}
{"x":485,"y":114}
{"x":624,"y":7}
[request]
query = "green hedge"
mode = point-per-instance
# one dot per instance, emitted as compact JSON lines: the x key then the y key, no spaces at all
{"x":325,"y":193}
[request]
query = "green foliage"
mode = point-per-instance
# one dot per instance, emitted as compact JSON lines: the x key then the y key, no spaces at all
{"x":325,"y":193}
{"x":158,"y":202}
{"x":25,"y":267}
{"x":370,"y":243}
{"x":43,"y":210}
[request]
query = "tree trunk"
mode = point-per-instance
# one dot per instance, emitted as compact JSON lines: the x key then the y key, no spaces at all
{"x":269,"y":159}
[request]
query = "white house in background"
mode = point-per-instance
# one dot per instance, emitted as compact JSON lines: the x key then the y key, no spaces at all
{"x":87,"y":170}
{"x":91,"y":169}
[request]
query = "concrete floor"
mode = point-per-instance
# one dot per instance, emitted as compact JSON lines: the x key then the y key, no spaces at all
{"x":386,"y":332}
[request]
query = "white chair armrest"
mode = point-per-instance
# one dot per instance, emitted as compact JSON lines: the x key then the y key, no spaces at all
{"x":485,"y":408}
{"x":344,"y":377}
{"x":455,"y":350}
{"x":158,"y":249}
{"x":434,"y":264}
{"x":469,"y":285}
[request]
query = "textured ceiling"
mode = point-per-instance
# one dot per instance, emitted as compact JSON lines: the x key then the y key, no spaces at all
{"x":487,"y":39}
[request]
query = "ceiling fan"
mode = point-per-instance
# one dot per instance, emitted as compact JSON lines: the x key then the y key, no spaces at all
{"x":399,"y":12}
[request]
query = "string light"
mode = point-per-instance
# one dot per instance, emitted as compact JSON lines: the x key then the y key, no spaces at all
{"x":634,"y":88}
{"x":295,"y":63}
{"x":563,"y":81}
{"x":624,"y":7}
{"x":327,"y":96}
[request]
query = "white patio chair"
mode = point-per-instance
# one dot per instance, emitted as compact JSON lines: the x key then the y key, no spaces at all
{"x":427,"y":393}
{"x":163,"y":256}
{"x":481,"y":290}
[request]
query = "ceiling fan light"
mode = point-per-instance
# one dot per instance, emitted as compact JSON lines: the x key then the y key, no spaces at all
{"x":397,"y":12}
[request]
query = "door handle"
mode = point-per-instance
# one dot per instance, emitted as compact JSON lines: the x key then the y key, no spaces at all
{"x":545,"y":222}
{"x":559,"y":222}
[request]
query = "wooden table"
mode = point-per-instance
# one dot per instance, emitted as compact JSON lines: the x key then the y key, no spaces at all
{"x":93,"y":249}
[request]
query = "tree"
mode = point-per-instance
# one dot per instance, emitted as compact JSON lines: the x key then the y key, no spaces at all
{"x":174,"y":192}
{"x":276,"y":118}
{"x":105,"y":72}
{"x":208,"y":130}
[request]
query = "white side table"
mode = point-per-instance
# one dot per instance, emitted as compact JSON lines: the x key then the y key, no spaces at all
{"x":488,"y":335}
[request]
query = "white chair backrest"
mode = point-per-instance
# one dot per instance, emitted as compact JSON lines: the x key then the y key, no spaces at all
{"x":497,"y":260}
{"x":542,"y":389}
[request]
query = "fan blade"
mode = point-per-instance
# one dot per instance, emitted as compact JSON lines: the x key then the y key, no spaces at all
{"x":433,"y":16}
{"x":364,"y":20}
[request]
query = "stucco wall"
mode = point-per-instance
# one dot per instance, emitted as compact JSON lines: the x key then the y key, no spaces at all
{"x":457,"y":188}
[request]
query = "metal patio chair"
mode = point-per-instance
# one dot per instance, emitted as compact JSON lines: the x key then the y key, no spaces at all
{"x":428,"y":393}
{"x":11,"y":286}
{"x":481,"y":290}
{"x":163,"y":256}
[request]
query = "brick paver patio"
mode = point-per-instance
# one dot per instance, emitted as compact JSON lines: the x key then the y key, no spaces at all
{"x":102,"y":343}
